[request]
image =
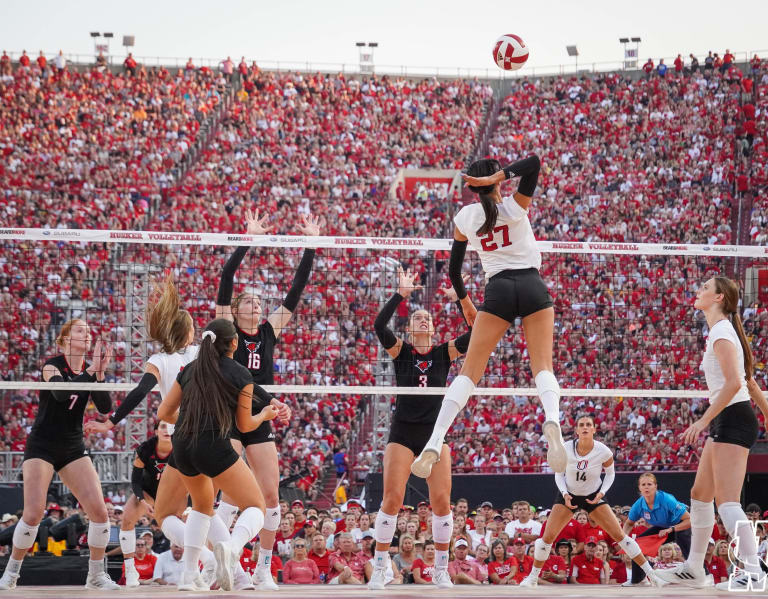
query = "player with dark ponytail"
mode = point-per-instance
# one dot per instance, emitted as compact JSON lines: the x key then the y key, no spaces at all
{"x":733,"y":429}
{"x":212,"y":397}
{"x":498,"y":229}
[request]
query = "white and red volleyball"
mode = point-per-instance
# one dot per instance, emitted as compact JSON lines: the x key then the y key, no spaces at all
{"x":510,"y":52}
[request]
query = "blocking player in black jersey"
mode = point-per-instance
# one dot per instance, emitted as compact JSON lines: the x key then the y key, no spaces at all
{"x":55,"y":444}
{"x":418,"y":363}
{"x":209,"y":398}
{"x":150,"y":462}
{"x":255,"y":350}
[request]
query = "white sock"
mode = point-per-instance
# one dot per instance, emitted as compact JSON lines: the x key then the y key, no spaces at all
{"x":741,"y":530}
{"x":95,"y":566}
{"x":380,"y":559}
{"x":534,"y":572}
{"x":219,"y":531}
{"x":441,"y":559}
{"x":647,"y":568}
{"x":265,"y":559}
{"x":13,"y":566}
{"x":129,"y":563}
{"x":173,"y":529}
{"x":455,"y":399}
{"x":195,"y":534}
{"x":206,"y":556}
{"x":227,"y":512}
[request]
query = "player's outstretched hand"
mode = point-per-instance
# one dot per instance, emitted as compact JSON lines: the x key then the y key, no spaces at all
{"x":310,"y":225}
{"x":597,"y":499}
{"x":693,"y":432}
{"x":406,"y":285}
{"x":283,"y":411}
{"x":496,"y":177}
{"x":568,"y":504}
{"x":93,"y":427}
{"x":255,"y":225}
{"x":450,"y":293}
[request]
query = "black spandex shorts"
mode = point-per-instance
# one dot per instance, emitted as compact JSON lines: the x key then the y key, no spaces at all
{"x":263,"y":434}
{"x":736,"y":424}
{"x":411,"y":435}
{"x":513,"y":294}
{"x":59,"y":455}
{"x":209,"y":453}
{"x":580,"y":501}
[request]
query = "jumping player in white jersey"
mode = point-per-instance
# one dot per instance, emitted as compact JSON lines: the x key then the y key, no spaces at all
{"x":498,"y":229}
{"x":733,"y":428}
{"x":581,"y":487}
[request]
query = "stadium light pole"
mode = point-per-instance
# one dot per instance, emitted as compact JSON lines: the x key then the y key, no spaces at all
{"x":624,"y":41}
{"x":366,"y":56}
{"x":574,"y":51}
{"x":637,"y":41}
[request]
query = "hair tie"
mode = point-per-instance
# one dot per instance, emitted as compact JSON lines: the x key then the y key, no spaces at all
{"x":210,"y":334}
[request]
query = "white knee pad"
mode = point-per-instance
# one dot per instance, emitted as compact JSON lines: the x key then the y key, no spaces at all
{"x":702,"y":514}
{"x":731,"y":513}
{"x":541,"y":550}
{"x":227,"y":512}
{"x":173,"y":529}
{"x":384,"y":527}
{"x":252,"y":519}
{"x":630,"y":547}
{"x":442,"y":528}
{"x":546,"y":381}
{"x":98,"y":534}
{"x":460,"y":390}
{"x":272,"y":518}
{"x":24,"y":535}
{"x":128,"y":541}
{"x":218,"y":532}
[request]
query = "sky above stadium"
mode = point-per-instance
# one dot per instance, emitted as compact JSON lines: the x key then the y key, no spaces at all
{"x":445,"y":33}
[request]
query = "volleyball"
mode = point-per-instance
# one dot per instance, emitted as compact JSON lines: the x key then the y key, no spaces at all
{"x":510,"y":52}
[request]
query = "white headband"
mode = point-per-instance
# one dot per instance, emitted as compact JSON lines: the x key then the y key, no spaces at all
{"x":210,"y":334}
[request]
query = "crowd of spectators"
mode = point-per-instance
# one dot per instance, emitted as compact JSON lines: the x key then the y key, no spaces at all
{"x":489,"y":546}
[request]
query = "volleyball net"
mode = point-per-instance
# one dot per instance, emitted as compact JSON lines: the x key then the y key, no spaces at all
{"x":625,"y":326}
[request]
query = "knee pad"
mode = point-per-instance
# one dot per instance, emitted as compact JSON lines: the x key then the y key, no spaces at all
{"x":24,"y":535}
{"x":546,"y":381}
{"x":252,"y":519}
{"x":460,"y":390}
{"x":272,"y":518}
{"x":702,"y":514}
{"x":630,"y":547}
{"x":218,"y":531}
{"x":128,"y":541}
{"x":541,"y":550}
{"x":442,"y":528}
{"x":227,"y":512}
{"x":384,"y":527}
{"x":731,"y":513}
{"x":173,"y":529}
{"x":98,"y":534}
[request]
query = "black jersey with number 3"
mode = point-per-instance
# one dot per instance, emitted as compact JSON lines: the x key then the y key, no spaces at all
{"x":61,"y":421}
{"x":154,"y":464}
{"x":413,"y":369}
{"x":256,"y":353}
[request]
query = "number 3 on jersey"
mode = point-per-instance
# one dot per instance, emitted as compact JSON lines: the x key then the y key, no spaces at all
{"x":423,"y":381}
{"x":254,"y":361}
{"x":489,"y":243}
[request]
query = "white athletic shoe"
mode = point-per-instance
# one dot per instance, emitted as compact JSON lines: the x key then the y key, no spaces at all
{"x":131,"y":577}
{"x":422,"y":466}
{"x":8,"y":581}
{"x":209,"y":573}
{"x":655,"y":580}
{"x":263,"y":580}
{"x":530,"y":582}
{"x":741,"y":583}
{"x":101,"y":582}
{"x":683,"y":574}
{"x":556,"y":456}
{"x":224,"y":573}
{"x":442,"y":580}
{"x":242,"y":582}
{"x":192,"y":581}
{"x":377,"y":581}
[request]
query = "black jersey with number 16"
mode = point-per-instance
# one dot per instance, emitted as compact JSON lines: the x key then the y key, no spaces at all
{"x":256,"y":353}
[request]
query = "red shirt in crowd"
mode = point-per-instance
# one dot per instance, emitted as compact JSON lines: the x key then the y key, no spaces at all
{"x":144,"y":566}
{"x":618,"y":571}
{"x":557,"y":565}
{"x":322,"y":562}
{"x":586,"y":571}
{"x":523,"y":568}
{"x":717,"y":568}
{"x":355,"y":562}
{"x":427,"y":571}
{"x":593,"y":531}
{"x":303,"y":572}
{"x":570,"y":531}
{"x":249,"y":564}
{"x":502,"y":570}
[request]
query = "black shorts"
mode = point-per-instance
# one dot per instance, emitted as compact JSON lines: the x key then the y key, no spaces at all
{"x":209,"y":453}
{"x":513,"y":294}
{"x":414,"y":436}
{"x":56,"y":454}
{"x":263,"y":434}
{"x":736,"y":424}
{"x":580,"y":501}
